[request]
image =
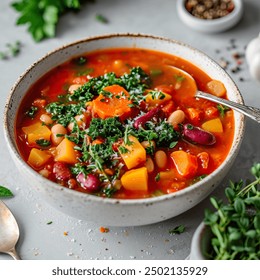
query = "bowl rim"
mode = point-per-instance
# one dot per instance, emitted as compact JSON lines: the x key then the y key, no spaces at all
{"x":218,"y":23}
{"x":150,"y":200}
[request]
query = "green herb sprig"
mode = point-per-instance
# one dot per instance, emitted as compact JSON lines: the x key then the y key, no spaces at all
{"x":42,"y":17}
{"x":5,"y":192}
{"x":235,"y":225}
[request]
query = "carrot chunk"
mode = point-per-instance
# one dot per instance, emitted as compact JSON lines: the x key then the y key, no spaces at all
{"x":185,"y":163}
{"x":114,"y":104}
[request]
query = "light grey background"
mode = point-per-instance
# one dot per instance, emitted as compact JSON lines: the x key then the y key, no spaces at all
{"x":84,"y":241}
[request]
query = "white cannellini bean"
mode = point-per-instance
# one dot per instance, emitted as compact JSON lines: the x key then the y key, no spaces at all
{"x":176,"y":117}
{"x":160,"y":159}
{"x":46,"y":119}
{"x":149,"y":165}
{"x":56,"y":131}
{"x":73,"y":87}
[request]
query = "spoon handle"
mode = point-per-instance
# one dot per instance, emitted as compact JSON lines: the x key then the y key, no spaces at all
{"x":12,"y":252}
{"x":251,"y":112}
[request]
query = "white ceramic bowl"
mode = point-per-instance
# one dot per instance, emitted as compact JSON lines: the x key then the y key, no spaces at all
{"x":107,"y":211}
{"x":211,"y":26}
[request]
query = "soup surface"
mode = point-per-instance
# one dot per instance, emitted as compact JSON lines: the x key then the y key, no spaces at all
{"x":123,"y":123}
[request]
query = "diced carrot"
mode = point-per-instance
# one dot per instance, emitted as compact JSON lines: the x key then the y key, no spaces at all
{"x":132,"y":154}
{"x":103,"y":229}
{"x":36,"y":131}
{"x":203,"y":159}
{"x":212,"y":112}
{"x":168,"y":108}
{"x":135,"y":179}
{"x":185,"y":163}
{"x":97,"y":142}
{"x":117,"y":105}
{"x":194,"y":114}
{"x":38,"y":158}
{"x":65,"y":152}
{"x":39,"y":102}
{"x":216,"y":88}
{"x":214,"y":125}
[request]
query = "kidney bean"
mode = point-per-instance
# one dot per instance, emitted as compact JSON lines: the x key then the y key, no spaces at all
{"x":89,"y":182}
{"x":139,"y":122}
{"x":61,"y":171}
{"x":197,"y":135}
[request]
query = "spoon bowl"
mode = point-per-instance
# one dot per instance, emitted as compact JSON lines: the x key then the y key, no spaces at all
{"x":9,"y":232}
{"x":251,"y":112}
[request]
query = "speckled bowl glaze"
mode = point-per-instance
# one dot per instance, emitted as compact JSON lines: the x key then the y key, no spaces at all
{"x":107,"y":211}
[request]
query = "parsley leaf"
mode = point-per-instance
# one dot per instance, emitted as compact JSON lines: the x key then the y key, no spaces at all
{"x":4,"y":192}
{"x":177,"y":230}
{"x":42,"y":17}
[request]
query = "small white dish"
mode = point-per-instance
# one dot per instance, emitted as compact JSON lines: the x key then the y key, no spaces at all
{"x":200,"y":242}
{"x":211,"y":25}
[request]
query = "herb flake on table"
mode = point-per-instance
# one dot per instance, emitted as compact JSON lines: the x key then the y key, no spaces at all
{"x":177,"y":230}
{"x":5,"y":192}
{"x":101,"y":18}
{"x":12,"y":50}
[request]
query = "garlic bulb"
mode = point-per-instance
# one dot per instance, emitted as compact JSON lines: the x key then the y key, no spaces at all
{"x":253,"y":57}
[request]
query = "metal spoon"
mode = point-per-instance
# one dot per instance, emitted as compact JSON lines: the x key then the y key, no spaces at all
{"x":9,"y":232}
{"x":251,"y":112}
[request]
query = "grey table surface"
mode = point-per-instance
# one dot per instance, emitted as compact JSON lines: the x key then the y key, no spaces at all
{"x":40,"y":240}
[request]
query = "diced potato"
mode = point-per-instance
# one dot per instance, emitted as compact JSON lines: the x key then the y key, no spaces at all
{"x":214,"y":125}
{"x":157,"y":99}
{"x":216,"y":88}
{"x":135,"y":179}
{"x":133,"y":154}
{"x":38,"y":158}
{"x":65,"y":152}
{"x":37,"y":131}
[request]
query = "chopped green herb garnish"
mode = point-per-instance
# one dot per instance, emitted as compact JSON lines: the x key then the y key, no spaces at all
{"x":157,"y":177}
{"x":222,"y":109}
{"x":177,"y":230}
{"x":4,"y":192}
{"x":80,"y":60}
{"x":43,"y":143}
{"x":123,"y":150}
{"x":179,"y":78}
{"x":157,"y":94}
{"x":32,"y":112}
{"x":49,"y":223}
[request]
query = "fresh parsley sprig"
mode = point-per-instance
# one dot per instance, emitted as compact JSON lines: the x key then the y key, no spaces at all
{"x":235,"y":226}
{"x":5,"y":192}
{"x":42,"y":16}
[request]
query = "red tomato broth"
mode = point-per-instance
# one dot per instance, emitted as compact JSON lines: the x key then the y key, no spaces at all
{"x":119,"y":61}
